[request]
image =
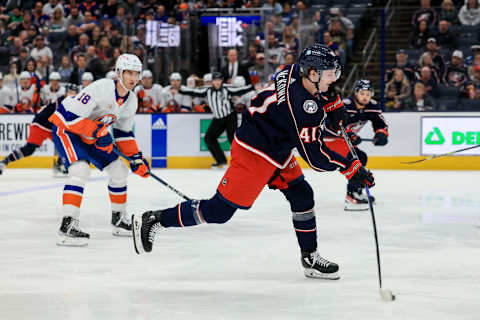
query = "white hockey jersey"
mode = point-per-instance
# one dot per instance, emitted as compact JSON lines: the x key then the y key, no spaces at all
{"x":27,"y":99}
{"x":96,"y":104}
{"x":183,"y":100}
{"x":150,"y":99}
{"x":7,"y":100}
{"x":47,"y":95}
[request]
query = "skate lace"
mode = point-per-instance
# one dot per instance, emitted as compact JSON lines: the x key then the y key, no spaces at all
{"x":73,"y":226}
{"x":153,"y":232}
{"x":316,"y":258}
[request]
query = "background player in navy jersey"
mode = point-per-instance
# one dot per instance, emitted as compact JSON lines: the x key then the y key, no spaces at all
{"x":40,"y":129}
{"x":289,"y":114}
{"x":360,"y":108}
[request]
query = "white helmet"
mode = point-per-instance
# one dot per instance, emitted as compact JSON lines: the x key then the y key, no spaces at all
{"x":127,"y":62}
{"x":54,"y":76}
{"x":147,"y":74}
{"x":25,"y":75}
{"x":87,"y":76}
{"x":111,"y":75}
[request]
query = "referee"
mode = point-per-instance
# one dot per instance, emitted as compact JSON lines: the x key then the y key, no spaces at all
{"x":219,"y":99}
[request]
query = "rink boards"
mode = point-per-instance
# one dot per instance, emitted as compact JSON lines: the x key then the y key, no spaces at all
{"x":176,"y":140}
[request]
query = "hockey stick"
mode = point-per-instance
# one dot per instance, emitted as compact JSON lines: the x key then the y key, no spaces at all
{"x":154,"y":176}
{"x":440,"y":155}
{"x":386,"y":294}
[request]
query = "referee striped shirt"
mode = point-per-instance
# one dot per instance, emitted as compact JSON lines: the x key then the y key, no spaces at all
{"x":219,"y":101}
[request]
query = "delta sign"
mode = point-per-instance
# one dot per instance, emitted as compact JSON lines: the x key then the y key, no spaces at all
{"x":446,"y":134}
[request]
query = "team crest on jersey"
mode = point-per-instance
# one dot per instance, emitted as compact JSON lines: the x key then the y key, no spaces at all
{"x":107,"y":119}
{"x":310,"y":106}
{"x":224,"y":182}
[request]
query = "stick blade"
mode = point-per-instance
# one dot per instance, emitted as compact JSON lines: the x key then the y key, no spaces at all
{"x":387,"y":295}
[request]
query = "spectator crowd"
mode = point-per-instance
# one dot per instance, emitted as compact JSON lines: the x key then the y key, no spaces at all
{"x":440,"y":70}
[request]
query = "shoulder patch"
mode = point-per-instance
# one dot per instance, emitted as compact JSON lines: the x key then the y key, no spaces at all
{"x":374,"y":102}
{"x":347,"y":101}
{"x":310,"y":106}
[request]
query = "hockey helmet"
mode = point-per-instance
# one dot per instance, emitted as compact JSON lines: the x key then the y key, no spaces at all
{"x":55,"y":76}
{"x":320,"y":58}
{"x":127,"y":61}
{"x":25,"y":75}
{"x":88,"y":76}
{"x":147,"y":74}
{"x":71,"y":87}
{"x":363,"y":84}
{"x":217,"y":75}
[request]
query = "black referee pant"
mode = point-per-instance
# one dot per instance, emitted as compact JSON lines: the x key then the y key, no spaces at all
{"x":217,"y":126}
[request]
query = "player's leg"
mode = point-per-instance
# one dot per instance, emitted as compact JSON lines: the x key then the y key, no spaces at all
{"x":240,"y":186}
{"x":217,"y":126}
{"x":117,"y":190}
{"x":299,"y":194}
{"x":231,"y":126}
{"x":69,"y":148}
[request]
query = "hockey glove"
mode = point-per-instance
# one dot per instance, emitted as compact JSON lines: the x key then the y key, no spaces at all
{"x":139,"y":165}
{"x":337,"y":117}
{"x":354,"y":139}
{"x":104,"y":139}
{"x":381,"y":137}
{"x":358,"y":175}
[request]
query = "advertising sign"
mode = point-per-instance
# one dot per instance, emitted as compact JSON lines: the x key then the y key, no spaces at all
{"x":222,"y":140}
{"x":445,"y":134}
{"x":159,"y":140}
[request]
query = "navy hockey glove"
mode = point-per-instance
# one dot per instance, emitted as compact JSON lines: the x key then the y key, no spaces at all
{"x":337,"y":117}
{"x":358,"y":175}
{"x":139,"y":165}
{"x":381,"y":137}
{"x":354,"y":139}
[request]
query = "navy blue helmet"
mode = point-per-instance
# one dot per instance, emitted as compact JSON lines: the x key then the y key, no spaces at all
{"x":71,"y":87}
{"x":363,"y":84}
{"x":318,"y":57}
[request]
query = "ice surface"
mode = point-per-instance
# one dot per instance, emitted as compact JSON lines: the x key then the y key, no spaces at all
{"x":248,"y":268}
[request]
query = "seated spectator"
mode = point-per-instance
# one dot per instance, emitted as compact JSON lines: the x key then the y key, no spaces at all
{"x":171,"y":92}
{"x":290,"y":41}
{"x":287,"y":13}
{"x":95,"y":65}
{"x":260,"y":71}
{"x":95,"y":36}
{"x":278,"y":25}
{"x":455,"y":74}
{"x":28,"y":37}
{"x":444,"y":37}
{"x":418,"y":37}
{"x":338,"y":34}
{"x":40,"y":49}
{"x":65,"y":68}
{"x":419,"y":100}
{"x":38,"y":17}
{"x":438,"y":60}
{"x":44,"y":68}
{"x":75,"y":18}
{"x":50,"y":7}
{"x":58,"y":22}
{"x":104,"y":49}
{"x":397,"y":90}
{"x":274,"y":52}
{"x":426,"y":61}
{"x":425,"y":13}
{"x":473,"y":64}
{"x":347,"y":26}
{"x":289,"y":59}
{"x":22,"y":59}
{"x":475,"y":49}
{"x":115,"y":37}
{"x":426,"y":78}
{"x":80,"y":48}
{"x":88,"y":23}
{"x":109,"y":9}
{"x":249,"y":61}
{"x":401,"y":63}
{"x":272,"y":7}
{"x":261,"y":38}
{"x":448,"y":13}
{"x":469,"y":14}
{"x":160,"y":15}
{"x":92,"y":6}
{"x":473,"y":86}
{"x":327,"y":40}
{"x":79,"y":69}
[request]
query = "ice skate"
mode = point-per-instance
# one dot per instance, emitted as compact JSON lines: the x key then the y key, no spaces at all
{"x":356,"y":201}
{"x":122,"y":225}
{"x":219,"y":165}
{"x":71,"y":235}
{"x":59,"y":170}
{"x":318,"y":267}
{"x":145,"y":228}
{"x":2,"y":166}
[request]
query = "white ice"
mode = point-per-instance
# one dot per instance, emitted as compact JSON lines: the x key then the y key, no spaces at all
{"x":248,"y":268}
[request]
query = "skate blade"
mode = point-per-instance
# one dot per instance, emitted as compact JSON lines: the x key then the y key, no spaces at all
{"x":137,"y":234}
{"x":119,"y":232}
{"x":71,"y":242}
{"x":356,"y":207}
{"x":312,"y":273}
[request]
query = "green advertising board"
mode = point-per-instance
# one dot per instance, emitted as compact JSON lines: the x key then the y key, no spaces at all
{"x":222,"y":140}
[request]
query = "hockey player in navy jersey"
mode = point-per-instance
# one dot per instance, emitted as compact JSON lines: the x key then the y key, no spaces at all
{"x":360,"y":108}
{"x":289,"y":114}
{"x":40,"y":130}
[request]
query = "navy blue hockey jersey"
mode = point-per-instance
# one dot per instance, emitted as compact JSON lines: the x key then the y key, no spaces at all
{"x":286,"y":116}
{"x":357,"y":118}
